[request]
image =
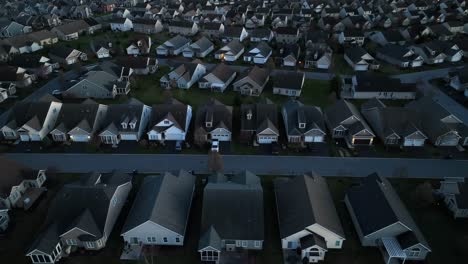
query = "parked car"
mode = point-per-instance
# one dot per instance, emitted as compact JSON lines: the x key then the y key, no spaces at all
{"x":215,"y":146}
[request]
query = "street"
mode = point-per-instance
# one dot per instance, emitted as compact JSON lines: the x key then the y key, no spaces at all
{"x":262,"y":165}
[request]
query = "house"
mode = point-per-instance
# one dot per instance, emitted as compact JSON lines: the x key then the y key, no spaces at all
{"x":351,"y":37}
{"x":394,"y":126}
{"x":99,"y":83}
{"x":387,"y":37}
{"x":147,"y":26}
{"x":289,"y":54}
{"x":199,"y":48}
{"x":384,"y":221}
{"x":174,"y":46}
{"x":318,"y":57}
{"x":78,"y":122}
{"x":16,"y":75}
{"x":13,"y":28}
{"x":21,"y":44}
{"x":93,"y":25}
{"x":36,"y":65}
{"x":259,"y":54}
{"x":261,"y":34}
{"x":31,"y":121}
{"x":440,"y":125}
{"x":169,"y":121}
{"x":304,"y":124}
{"x":43,"y":37}
{"x":252,"y":82}
{"x":125,"y":121}
{"x":259,"y":123}
{"x":231,"y":228}
{"x":102,"y":49}
{"x":234,"y":33}
{"x":139,"y":65}
{"x":67,"y":56}
{"x":213,"y":29}
{"x":287,"y":35}
{"x":218,"y":79}
{"x":359,"y":59}
{"x":21,"y":187}
{"x":7,"y":89}
{"x":71,"y":30}
{"x":184,"y":28}
{"x":453,"y":190}
{"x":81,"y":216}
{"x":121,"y":24}
{"x":307,"y":217}
{"x":230,"y":52}
{"x":289,"y":83}
{"x":139,"y":46}
{"x":458,"y":80}
{"x":156,"y":217}
{"x":437,"y":51}
{"x":213,"y":121}
{"x":345,"y":122}
{"x":184,"y":76}
{"x":366,"y":85}
{"x":400,"y":56}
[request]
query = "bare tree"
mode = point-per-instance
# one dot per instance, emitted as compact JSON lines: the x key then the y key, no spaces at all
{"x":215,"y":161}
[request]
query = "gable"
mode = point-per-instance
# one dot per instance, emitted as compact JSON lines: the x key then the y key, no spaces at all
{"x":267,"y":131}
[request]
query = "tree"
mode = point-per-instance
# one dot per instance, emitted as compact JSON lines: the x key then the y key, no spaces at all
{"x":215,"y":161}
{"x":423,"y":195}
{"x":335,"y":86}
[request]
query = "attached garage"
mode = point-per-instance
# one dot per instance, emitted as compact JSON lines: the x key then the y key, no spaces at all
{"x":128,"y":137}
{"x":413,"y":142}
{"x":362,"y":141}
{"x":24,"y":137}
{"x":449,"y":139}
{"x":266,"y":139}
{"x":80,"y":138}
{"x":313,"y":139}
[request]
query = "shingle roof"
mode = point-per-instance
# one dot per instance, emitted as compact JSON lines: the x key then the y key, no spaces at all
{"x":264,"y":115}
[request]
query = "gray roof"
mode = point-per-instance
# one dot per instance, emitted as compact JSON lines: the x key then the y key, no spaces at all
{"x":376,"y":205}
{"x":77,"y":115}
{"x":210,"y":239}
{"x":312,"y":116}
{"x":234,"y":210}
{"x":221,"y":115}
{"x":203,"y":43}
{"x":289,"y":80}
{"x":341,"y":111}
{"x":31,"y":113}
{"x":172,"y":110}
{"x":223,"y":72}
{"x":303,"y":201}
{"x":355,"y":53}
{"x":371,"y":82}
{"x":258,"y":75}
{"x":264,"y":115}
{"x":178,"y":41}
{"x":164,"y":200}
{"x":117,"y":113}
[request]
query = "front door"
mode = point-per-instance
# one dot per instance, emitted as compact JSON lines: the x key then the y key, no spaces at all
{"x":230,"y":247}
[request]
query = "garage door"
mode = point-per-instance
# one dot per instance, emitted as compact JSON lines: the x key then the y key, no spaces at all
{"x":128,"y":137}
{"x":221,"y":137}
{"x":24,"y":137}
{"x":314,"y":139}
{"x":361,"y":141}
{"x":413,"y":142}
{"x":80,"y":138}
{"x":266,"y":140}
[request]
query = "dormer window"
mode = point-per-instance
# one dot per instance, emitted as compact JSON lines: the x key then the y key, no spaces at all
{"x":302,"y":125}
{"x":249,"y":115}
{"x":132,"y":125}
{"x":124,"y":125}
{"x":208,"y":124}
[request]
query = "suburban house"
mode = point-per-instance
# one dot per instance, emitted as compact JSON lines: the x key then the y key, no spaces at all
{"x":139,"y":46}
{"x":67,"y":56}
{"x":126,"y":121}
{"x":252,"y":82}
{"x":259,"y":54}
{"x":345,"y":122}
{"x":458,"y":80}
{"x":99,"y":83}
{"x":183,"y":76}
{"x":230,"y":52}
{"x":366,"y":85}
{"x":289,"y":83}
{"x":234,"y":33}
{"x":31,"y":121}
{"x":287,"y":35}
{"x":395,"y":126}
{"x":382,"y":220}
{"x":453,"y":190}
{"x":437,"y":51}
{"x":359,"y":59}
{"x":13,"y":28}
{"x":400,"y":56}
{"x":81,"y":216}
{"x":138,"y":65}
{"x":174,"y":46}
{"x":121,"y":24}
{"x":231,"y":228}
{"x":307,"y":218}
{"x":259,"y":123}
{"x":351,"y":37}
{"x":160,"y":212}
{"x":387,"y":37}
{"x":213,"y":29}
{"x":213,"y":121}
{"x":78,"y":122}
{"x":17,"y":75}
{"x":218,"y":79}
{"x":71,"y":30}
{"x":37,"y":65}
{"x":318,"y":57}
{"x":441,"y":127}
{"x":7,"y":89}
{"x":261,"y":34}
{"x":147,"y":26}
{"x":21,"y":44}
{"x":304,"y":124}
{"x":102,"y":49}
{"x":169,"y":121}
{"x":184,"y":28}
{"x":199,"y":48}
{"x":289,"y":55}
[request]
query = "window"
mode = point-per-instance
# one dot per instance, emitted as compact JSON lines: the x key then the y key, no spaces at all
{"x":314,"y":252}
{"x":414,"y":252}
{"x":71,"y":242}
{"x":165,"y":239}
{"x":90,"y":245}
{"x":238,"y":243}
{"x":244,"y":243}
{"x":258,"y":244}
{"x":34,"y":258}
{"x":177,"y":240}
{"x":151,"y":239}
{"x":99,"y":243}
{"x":337,"y":243}
{"x":114,"y":201}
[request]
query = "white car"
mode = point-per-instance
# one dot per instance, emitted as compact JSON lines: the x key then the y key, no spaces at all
{"x":215,"y":146}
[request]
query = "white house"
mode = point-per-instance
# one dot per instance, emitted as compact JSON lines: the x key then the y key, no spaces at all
{"x":218,"y":79}
{"x":156,"y":217}
{"x":259,"y":54}
{"x":121,"y":24}
{"x":230,"y":52}
{"x":169,"y":121}
{"x":184,"y":76}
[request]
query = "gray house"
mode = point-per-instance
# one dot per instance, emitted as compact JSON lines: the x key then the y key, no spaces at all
{"x":303,"y":123}
{"x":454,"y":191}
{"x":382,"y":220}
{"x":161,"y":210}
{"x":174,"y":46}
{"x":365,"y":85}
{"x":81,"y":216}
{"x":307,"y":217}
{"x":252,"y":82}
{"x":227,"y":226}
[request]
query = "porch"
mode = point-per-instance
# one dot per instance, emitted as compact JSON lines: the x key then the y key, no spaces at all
{"x":392,"y":251}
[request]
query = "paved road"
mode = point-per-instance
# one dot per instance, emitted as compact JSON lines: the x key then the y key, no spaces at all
{"x":426,"y":75}
{"x":263,"y":165}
